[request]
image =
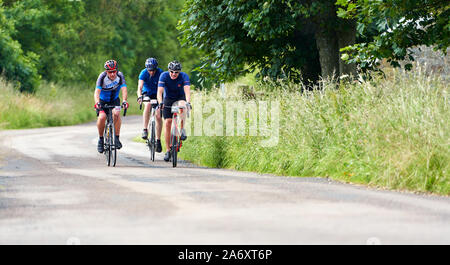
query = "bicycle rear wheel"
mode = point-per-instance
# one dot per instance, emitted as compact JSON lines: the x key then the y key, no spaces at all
{"x":153,"y":142}
{"x":174,"y":150}
{"x":113,"y":146}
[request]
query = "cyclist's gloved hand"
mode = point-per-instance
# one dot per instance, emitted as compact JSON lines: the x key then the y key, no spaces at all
{"x":125,"y":104}
{"x":161,"y":105}
{"x":189,"y":105}
{"x":97,"y":106}
{"x":139,"y":100}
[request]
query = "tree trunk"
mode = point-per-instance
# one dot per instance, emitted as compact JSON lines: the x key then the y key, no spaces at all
{"x":327,"y":40}
{"x":346,"y":36}
{"x":327,"y":44}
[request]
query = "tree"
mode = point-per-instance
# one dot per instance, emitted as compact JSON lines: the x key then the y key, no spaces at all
{"x":398,"y":25}
{"x":279,"y":38}
{"x":68,"y":41}
{"x":15,"y":64}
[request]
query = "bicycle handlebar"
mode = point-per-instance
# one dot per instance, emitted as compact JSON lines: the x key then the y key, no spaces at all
{"x":146,"y":99}
{"x":106,"y":106}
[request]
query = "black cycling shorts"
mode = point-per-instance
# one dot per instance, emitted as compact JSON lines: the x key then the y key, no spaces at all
{"x":167,"y":112}
{"x":151,"y":97}
{"x":115,"y":102}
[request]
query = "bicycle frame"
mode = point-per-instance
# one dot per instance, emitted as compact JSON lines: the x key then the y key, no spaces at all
{"x":178,"y":108}
{"x":109,"y":135}
{"x":151,"y":141}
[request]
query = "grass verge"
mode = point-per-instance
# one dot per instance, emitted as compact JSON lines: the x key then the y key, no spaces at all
{"x":389,"y":132}
{"x":50,"y":105}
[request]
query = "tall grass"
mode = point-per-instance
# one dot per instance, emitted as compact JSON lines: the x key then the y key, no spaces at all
{"x":51,"y":105}
{"x":389,"y":132}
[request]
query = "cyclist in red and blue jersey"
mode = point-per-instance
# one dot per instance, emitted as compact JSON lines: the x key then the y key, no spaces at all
{"x":176,"y":86}
{"x":109,"y":84}
{"x":148,"y":86}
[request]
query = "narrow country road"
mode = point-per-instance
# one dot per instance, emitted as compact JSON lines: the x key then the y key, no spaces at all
{"x":56,"y":189}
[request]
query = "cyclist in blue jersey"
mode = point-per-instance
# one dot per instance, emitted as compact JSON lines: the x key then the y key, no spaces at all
{"x":109,"y":84}
{"x":148,"y":86}
{"x":176,"y":86}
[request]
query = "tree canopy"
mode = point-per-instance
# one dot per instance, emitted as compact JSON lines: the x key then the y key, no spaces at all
{"x":15,"y":64}
{"x":69,"y":41}
{"x":394,"y":26}
{"x":327,"y":38}
{"x":279,"y":38}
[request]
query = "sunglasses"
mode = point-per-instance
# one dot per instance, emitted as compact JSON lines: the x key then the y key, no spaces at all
{"x":174,"y":72}
{"x":111,"y":72}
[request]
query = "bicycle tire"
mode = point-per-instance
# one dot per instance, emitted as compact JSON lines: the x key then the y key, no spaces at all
{"x":174,"y":150}
{"x":113,"y":146}
{"x":107,"y":146}
{"x":153,"y":142}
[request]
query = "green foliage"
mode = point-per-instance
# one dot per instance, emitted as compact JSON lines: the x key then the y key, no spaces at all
{"x":15,"y":64}
{"x":70,"y":40}
{"x":241,"y":36}
{"x":398,"y":25}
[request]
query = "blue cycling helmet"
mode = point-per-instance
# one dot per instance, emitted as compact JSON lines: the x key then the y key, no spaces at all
{"x":151,"y":64}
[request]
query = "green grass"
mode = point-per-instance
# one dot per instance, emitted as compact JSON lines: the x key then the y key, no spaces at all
{"x":50,"y":105}
{"x":390,"y":132}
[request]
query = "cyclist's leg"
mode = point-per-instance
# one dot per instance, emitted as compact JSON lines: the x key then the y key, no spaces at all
{"x":117,"y":121}
{"x":167,"y":113}
{"x":167,"y":134}
{"x":101,"y":120}
{"x":168,"y":127}
{"x":101,"y":123}
{"x":146,"y":113}
{"x":158,"y":121}
{"x":116,"y":116}
{"x":182,"y":117}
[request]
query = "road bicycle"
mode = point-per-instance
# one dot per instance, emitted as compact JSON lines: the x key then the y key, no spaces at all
{"x":180,"y":111}
{"x":109,"y":136}
{"x":151,"y":142}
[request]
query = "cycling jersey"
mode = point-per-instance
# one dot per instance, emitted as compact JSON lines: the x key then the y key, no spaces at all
{"x":150,"y":82}
{"x":173,"y":88}
{"x":110,"y":89}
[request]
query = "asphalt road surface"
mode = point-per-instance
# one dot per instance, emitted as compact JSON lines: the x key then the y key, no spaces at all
{"x":56,"y":189}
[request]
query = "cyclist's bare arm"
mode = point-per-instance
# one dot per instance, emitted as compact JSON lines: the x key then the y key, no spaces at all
{"x":160,"y":93}
{"x":140,"y":86}
{"x":187,"y":92}
{"x":124,"y":93}
{"x":97,"y":95}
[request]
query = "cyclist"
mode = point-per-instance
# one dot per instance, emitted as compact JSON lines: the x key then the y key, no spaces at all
{"x":148,"y":85}
{"x":176,"y":86}
{"x":109,"y":84}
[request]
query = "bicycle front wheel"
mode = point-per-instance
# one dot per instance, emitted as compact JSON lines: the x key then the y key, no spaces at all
{"x":107,"y":146}
{"x":174,"y":150}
